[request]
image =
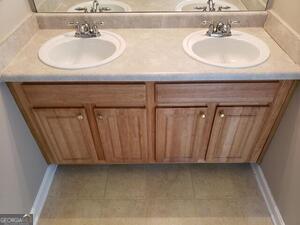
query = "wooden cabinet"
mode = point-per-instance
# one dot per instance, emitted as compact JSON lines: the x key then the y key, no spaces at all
{"x":152,"y":122}
{"x":235,"y":133}
{"x":238,"y":93}
{"x":68,"y":134}
{"x":123,"y":134}
{"x":181,"y":134}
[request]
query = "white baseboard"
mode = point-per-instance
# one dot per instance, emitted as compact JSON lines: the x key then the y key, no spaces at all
{"x":41,"y":196}
{"x":267,"y":195}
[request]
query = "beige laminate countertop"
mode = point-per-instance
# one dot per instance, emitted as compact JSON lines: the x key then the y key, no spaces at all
{"x":150,"y":55}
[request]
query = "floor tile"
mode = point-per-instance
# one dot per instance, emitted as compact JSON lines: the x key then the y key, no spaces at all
{"x":169,"y":182}
{"x":259,"y":221}
{"x":124,"y":208}
{"x":201,"y":194}
{"x":62,"y":208}
{"x":79,"y":182}
{"x":244,"y":179}
{"x":253,"y":207}
{"x":115,"y":221}
{"x":171,"y":208}
{"x":217,"y":181}
{"x":126,"y":182}
{"x":179,"y":221}
{"x":60,"y":221}
{"x":218,"y":208}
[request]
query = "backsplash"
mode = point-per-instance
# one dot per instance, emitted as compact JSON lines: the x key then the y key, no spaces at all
{"x":285,"y":36}
{"x":151,"y":20}
{"x":16,"y":41}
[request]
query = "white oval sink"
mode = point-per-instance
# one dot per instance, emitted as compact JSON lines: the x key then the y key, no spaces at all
{"x":108,"y":5}
{"x":237,"y":51}
{"x":191,"y":5}
{"x":68,"y":52}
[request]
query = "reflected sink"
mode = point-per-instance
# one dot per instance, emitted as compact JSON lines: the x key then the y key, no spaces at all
{"x":106,"y":5}
{"x":68,"y":52}
{"x":240,"y":50}
{"x":192,"y":5}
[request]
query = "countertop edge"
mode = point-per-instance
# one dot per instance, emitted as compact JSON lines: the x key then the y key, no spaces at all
{"x":151,"y":77}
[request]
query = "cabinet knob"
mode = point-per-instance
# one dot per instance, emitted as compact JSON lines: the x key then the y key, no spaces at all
{"x":202,"y":115}
{"x":100,"y":117}
{"x":222,"y":114}
{"x":80,"y":117}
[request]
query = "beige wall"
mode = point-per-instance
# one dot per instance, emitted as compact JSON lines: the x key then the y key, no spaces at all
{"x":289,"y":11}
{"x":12,"y":13}
{"x":281,"y":164}
{"x":22,"y":166}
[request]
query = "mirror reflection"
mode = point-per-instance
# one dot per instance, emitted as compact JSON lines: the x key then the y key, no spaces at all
{"x":98,"y":6}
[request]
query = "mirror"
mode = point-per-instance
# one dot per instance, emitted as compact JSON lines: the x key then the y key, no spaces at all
{"x":98,"y":6}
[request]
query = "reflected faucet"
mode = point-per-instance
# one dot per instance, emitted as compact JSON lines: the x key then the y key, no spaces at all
{"x":95,"y":8}
{"x":211,"y":7}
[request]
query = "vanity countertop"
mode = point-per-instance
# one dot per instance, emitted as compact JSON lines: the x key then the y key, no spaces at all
{"x":150,"y":55}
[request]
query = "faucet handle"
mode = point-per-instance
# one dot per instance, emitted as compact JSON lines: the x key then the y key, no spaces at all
{"x":203,"y":8}
{"x":76,"y":26}
{"x":207,"y":22}
{"x":72,"y":23}
{"x":231,"y":22}
{"x":97,"y":23}
{"x":221,"y":8}
{"x":94,"y":30}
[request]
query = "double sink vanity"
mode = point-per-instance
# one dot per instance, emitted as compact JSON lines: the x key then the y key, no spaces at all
{"x":89,"y":47}
{"x":152,"y":95}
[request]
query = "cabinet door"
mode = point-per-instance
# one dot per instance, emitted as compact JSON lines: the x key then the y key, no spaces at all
{"x":181,"y":134}
{"x":235,"y":134}
{"x":67,"y":134}
{"x":123,"y":134}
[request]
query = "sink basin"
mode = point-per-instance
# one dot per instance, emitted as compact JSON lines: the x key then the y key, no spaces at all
{"x":108,"y":5}
{"x":189,"y":5}
{"x":68,"y":52}
{"x":237,"y":51}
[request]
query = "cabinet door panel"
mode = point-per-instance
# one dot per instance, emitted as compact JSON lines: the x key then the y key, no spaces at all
{"x":181,"y":134}
{"x":235,"y":133}
{"x":123,"y":134}
{"x":68,"y":134}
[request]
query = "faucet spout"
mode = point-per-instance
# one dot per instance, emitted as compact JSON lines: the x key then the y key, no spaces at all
{"x":220,"y":29}
{"x":211,"y":5}
{"x":86,"y":30}
{"x":95,"y":6}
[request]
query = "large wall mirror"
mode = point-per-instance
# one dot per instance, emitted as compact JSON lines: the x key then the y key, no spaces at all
{"x":98,"y":6}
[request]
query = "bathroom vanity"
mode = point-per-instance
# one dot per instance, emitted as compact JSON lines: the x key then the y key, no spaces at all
{"x":160,"y":92}
{"x":152,"y":122}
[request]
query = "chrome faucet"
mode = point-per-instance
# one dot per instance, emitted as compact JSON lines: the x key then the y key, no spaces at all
{"x":86,"y":30}
{"x":220,"y":29}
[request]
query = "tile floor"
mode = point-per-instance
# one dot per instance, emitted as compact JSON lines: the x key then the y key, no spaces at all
{"x":198,"y":194}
